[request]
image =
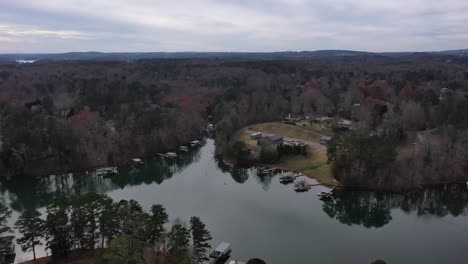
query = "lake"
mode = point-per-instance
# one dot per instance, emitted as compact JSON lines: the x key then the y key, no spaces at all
{"x":262,"y":218}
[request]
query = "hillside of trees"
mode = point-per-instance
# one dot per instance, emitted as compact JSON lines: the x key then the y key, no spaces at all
{"x":60,"y":116}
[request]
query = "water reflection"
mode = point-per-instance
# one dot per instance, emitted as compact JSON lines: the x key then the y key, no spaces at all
{"x":239,"y":175}
{"x":371,"y":209}
{"x":35,"y":193}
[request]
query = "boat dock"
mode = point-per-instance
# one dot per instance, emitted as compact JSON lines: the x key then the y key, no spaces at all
{"x":183,"y":148}
{"x":194,"y":143}
{"x":168,"y":155}
{"x":221,"y":254}
{"x":325,"y":195}
{"x":106,"y":171}
{"x":303,"y":186}
{"x":289,"y":178}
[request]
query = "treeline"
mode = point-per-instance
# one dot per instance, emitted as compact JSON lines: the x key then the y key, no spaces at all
{"x":388,"y":162}
{"x":128,"y":233}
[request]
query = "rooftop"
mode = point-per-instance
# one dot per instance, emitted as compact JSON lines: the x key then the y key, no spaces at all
{"x":223,"y":247}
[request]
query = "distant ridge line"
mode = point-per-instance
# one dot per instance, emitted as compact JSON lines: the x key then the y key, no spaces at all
{"x":126,"y":56}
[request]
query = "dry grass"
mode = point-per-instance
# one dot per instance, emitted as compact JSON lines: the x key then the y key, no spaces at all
{"x":313,"y":165}
{"x":318,"y":128}
{"x":323,"y":174}
{"x":290,"y":131}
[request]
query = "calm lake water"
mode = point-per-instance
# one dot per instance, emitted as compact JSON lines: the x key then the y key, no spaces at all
{"x":262,"y":218}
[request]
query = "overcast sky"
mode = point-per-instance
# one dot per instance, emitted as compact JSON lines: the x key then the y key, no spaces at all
{"x":232,"y":25}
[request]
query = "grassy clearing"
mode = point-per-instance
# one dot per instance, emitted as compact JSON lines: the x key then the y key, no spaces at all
{"x":313,"y":165}
{"x":290,"y":131}
{"x":318,"y":128}
{"x":323,"y":174}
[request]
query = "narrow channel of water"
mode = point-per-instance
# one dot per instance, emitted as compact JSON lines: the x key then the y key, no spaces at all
{"x":262,"y":218}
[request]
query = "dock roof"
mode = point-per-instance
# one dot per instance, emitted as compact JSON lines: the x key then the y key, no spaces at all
{"x":223,"y":247}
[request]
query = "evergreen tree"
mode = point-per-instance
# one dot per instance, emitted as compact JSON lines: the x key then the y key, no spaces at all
{"x":5,"y":213}
{"x":108,"y":222}
{"x":58,"y":230}
{"x":132,"y":219}
{"x":85,"y":214}
{"x":200,"y":238}
{"x":179,"y":238}
{"x":30,"y":225}
{"x":156,"y":222}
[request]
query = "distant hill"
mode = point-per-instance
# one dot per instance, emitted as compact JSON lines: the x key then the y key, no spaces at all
{"x":128,"y":56}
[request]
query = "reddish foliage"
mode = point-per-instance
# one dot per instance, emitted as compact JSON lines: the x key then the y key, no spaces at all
{"x":82,"y":120}
{"x":197,"y":103}
{"x":374,"y":101}
{"x":312,"y":89}
{"x":371,"y":89}
{"x":406,"y":92}
{"x":115,"y":134}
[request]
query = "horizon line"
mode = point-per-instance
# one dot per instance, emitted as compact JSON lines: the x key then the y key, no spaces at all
{"x":265,"y":52}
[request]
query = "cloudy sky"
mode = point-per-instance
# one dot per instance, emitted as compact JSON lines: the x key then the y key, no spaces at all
{"x":232,"y":25}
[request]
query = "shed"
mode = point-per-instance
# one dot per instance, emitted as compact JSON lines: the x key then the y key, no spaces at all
{"x":324,"y":140}
{"x":256,"y":135}
{"x":277,"y":140}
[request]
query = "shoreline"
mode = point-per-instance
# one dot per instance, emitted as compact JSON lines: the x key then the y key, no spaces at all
{"x":275,"y":166}
{"x":338,"y":185}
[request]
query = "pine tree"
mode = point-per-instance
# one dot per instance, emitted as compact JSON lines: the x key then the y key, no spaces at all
{"x":179,"y":238}
{"x":108,"y":222}
{"x":156,"y":222}
{"x":58,"y":230}
{"x":201,"y":237}
{"x":30,"y":225}
{"x":5,"y":213}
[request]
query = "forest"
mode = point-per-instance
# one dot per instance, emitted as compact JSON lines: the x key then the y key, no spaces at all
{"x":410,"y":111}
{"x":113,"y":232}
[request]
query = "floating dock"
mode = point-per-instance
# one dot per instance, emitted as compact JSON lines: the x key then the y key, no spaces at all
{"x":183,"y":148}
{"x":106,"y":171}
{"x":325,"y":195}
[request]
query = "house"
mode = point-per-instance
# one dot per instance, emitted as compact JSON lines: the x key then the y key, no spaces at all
{"x":344,"y":124}
{"x":323,"y":119}
{"x":210,"y":128}
{"x":291,"y":120}
{"x":256,"y":135}
{"x":276,"y":140}
{"x":34,"y":105}
{"x":324,"y":140}
{"x":444,"y":93}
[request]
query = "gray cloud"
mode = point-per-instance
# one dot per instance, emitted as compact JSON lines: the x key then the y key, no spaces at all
{"x":231,"y":25}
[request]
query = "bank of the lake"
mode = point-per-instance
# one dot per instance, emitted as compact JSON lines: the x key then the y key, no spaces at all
{"x":262,"y":218}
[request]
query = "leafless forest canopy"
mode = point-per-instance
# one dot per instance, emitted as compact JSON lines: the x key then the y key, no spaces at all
{"x":60,"y":116}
